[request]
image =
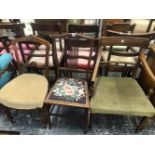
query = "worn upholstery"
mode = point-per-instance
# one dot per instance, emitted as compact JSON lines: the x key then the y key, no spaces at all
{"x":120,"y":96}
{"x":69,"y":90}
{"x":26,"y":91}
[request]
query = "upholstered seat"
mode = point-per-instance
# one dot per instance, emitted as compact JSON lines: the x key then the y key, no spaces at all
{"x":120,"y":96}
{"x":69,"y":90}
{"x":26,"y":91}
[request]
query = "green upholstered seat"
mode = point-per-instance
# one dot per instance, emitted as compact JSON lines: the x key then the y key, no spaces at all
{"x":117,"y":95}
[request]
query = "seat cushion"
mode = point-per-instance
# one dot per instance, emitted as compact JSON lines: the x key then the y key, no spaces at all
{"x":69,"y":91}
{"x":40,"y":61}
{"x":115,"y":58}
{"x":120,"y":96}
{"x":26,"y":91}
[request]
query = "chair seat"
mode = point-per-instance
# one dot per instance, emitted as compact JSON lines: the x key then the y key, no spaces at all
{"x":26,"y":91}
{"x":115,"y":58}
{"x":69,"y":92}
{"x":40,"y":61}
{"x":120,"y":96}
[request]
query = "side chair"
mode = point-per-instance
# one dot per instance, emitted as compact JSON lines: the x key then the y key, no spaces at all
{"x":27,"y":91}
{"x":73,"y":85}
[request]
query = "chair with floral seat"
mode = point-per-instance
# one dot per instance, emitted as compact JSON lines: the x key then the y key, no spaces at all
{"x":27,"y":91}
{"x":122,"y":95}
{"x":73,"y":86}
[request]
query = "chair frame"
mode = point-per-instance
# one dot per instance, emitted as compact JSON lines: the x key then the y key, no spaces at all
{"x":122,"y":41}
{"x":67,"y":68}
{"x":45,"y":118}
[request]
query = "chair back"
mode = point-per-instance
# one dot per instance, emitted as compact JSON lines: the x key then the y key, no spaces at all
{"x":86,"y":29}
{"x":32,"y":40}
{"x":134,"y":44}
{"x":45,"y":31}
{"x":73,"y":44}
{"x":119,"y":27}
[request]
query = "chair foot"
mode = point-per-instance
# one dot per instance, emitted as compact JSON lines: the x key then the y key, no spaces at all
{"x":87,"y":120}
{"x":8,"y":113}
{"x":45,"y":116}
{"x":145,"y":122}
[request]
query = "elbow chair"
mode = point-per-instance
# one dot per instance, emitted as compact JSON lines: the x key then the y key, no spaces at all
{"x":122,"y":95}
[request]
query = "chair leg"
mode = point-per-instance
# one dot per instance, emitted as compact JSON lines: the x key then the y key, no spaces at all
{"x":145,"y":122}
{"x":8,"y":113}
{"x":45,"y":116}
{"x":87,"y":120}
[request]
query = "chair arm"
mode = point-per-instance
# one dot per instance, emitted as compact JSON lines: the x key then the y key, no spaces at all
{"x":93,"y":79}
{"x":147,"y":69}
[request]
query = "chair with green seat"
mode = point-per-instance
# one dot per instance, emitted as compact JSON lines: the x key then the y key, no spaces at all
{"x":27,"y":91}
{"x":121,"y":95}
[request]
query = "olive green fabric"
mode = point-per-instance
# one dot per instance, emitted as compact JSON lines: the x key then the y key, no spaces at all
{"x":120,"y":96}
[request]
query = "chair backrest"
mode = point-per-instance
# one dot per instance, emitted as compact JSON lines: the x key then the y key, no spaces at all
{"x":119,"y":27}
{"x":74,"y":43}
{"x":13,"y":26}
{"x":86,"y":29}
{"x":33,"y":40}
{"x":46,"y":31}
{"x":149,"y":35}
{"x":132,"y":42}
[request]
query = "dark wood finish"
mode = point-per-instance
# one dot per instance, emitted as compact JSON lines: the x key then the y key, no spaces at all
{"x":35,"y":40}
{"x":147,"y":82}
{"x":149,"y":35}
{"x":131,"y":42}
{"x":47,"y":30}
{"x":72,"y":44}
{"x":74,"y":28}
{"x":7,"y":132}
{"x":120,"y":27}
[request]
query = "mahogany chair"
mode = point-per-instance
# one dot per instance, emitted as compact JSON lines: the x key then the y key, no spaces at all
{"x":91,"y":30}
{"x":125,"y":27}
{"x":73,"y":86}
{"x":122,"y":95}
{"x":17,"y":30}
{"x":148,"y":85}
{"x":46,"y":31}
{"x":123,"y":61}
{"x":27,"y":91}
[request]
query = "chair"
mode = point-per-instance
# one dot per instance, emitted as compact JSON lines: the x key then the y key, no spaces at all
{"x":27,"y":91}
{"x":17,"y":30}
{"x":122,"y":60}
{"x":119,"y":27}
{"x":73,"y":86}
{"x":148,"y":85}
{"x":122,"y":95}
{"x":46,"y":31}
{"x":92,"y":30}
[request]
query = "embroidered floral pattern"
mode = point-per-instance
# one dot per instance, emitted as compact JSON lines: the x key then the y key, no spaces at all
{"x":69,"y":90}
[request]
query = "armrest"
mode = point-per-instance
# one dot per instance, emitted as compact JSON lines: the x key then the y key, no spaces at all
{"x":93,"y":79}
{"x":147,"y":69}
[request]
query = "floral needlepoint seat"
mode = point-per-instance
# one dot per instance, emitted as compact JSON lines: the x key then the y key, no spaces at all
{"x":69,"y":90}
